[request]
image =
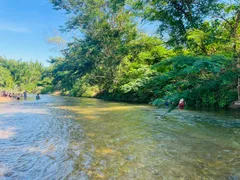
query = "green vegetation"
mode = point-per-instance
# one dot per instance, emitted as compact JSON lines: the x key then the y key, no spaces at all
{"x":194,"y":57}
{"x":19,"y":76}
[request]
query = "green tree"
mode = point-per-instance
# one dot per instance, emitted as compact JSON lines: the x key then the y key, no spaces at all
{"x":111,"y":59}
{"x":176,"y":17}
{"x":6,"y":80}
{"x":106,"y":30}
{"x":202,"y":80}
{"x":25,"y":75}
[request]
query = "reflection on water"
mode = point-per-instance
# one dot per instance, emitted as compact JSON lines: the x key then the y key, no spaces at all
{"x":77,"y":138}
{"x":5,"y":134}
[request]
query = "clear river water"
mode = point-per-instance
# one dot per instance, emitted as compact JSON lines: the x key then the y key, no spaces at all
{"x":80,"y":138}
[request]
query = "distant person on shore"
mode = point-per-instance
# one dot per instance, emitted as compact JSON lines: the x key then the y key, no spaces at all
{"x":181,"y":104}
{"x":25,"y":95}
{"x":38,"y":97}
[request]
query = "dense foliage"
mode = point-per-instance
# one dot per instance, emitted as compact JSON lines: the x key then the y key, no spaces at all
{"x":195,"y":58}
{"x":19,"y":76}
{"x":199,"y":80}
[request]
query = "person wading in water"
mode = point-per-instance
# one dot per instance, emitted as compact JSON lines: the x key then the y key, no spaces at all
{"x":38,"y":97}
{"x":181,"y":104}
{"x":25,"y":95}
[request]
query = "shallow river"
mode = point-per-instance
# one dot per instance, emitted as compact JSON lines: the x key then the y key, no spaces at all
{"x":77,"y":138}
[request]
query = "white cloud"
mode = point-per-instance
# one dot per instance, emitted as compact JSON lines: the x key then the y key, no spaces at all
{"x":14,"y":29}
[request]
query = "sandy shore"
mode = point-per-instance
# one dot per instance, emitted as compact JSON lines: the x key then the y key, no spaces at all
{"x":5,"y":99}
{"x":56,"y":93}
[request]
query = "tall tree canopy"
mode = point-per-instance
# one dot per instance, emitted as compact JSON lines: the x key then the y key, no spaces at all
{"x":176,"y":17}
{"x":106,"y":29}
{"x":19,"y":75}
{"x":110,"y":58}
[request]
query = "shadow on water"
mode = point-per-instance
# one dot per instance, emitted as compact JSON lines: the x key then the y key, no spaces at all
{"x":80,"y":138}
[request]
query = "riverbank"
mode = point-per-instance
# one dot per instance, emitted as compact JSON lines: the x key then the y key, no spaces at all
{"x":4,"y":99}
{"x":146,"y":99}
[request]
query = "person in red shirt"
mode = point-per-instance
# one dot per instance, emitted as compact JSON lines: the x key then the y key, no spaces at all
{"x":181,"y":104}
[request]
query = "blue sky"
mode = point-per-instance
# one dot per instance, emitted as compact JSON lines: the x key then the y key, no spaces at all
{"x":24,"y":27}
{"x":26,"y":24}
